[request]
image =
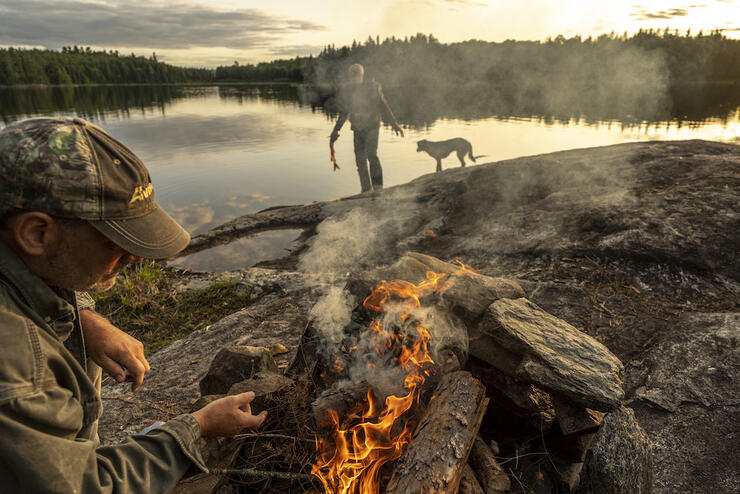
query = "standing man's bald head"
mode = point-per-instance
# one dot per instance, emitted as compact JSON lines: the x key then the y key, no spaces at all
{"x":356,"y":73}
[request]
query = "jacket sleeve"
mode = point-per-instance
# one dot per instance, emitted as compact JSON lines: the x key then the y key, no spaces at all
{"x":41,"y":452}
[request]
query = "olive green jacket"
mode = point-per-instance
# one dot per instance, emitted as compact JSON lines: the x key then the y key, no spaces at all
{"x":365,"y":106}
{"x":49,"y":406}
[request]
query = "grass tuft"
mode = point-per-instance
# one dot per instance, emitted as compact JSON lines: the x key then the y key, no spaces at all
{"x":144,"y":303}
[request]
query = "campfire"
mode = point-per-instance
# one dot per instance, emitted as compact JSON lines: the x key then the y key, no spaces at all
{"x":400,"y":405}
{"x":361,"y":445}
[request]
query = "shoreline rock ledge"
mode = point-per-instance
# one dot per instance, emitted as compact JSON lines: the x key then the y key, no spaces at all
{"x":635,"y":244}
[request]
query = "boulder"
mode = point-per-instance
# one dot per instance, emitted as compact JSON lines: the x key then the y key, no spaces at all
{"x":620,"y":460}
{"x":234,"y":364}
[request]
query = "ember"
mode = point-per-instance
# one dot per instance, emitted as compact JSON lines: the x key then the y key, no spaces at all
{"x":359,"y":447}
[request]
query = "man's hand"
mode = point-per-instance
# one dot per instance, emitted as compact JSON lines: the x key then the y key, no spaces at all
{"x":398,"y":130}
{"x":228,"y":416}
{"x":113,"y":350}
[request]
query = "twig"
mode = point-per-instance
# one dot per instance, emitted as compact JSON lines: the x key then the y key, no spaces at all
{"x":507,"y":460}
{"x":273,"y":436}
{"x":260,"y":473}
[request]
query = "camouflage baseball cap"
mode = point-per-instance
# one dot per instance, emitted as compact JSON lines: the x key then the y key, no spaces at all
{"x":70,"y":168}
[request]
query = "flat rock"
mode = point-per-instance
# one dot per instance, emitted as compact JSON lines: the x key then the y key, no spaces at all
{"x":686,"y":398}
{"x":553,"y":354}
{"x":171,"y":387}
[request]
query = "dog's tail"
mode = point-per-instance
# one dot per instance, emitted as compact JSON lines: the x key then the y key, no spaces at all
{"x":479,"y":156}
{"x":470,"y":155}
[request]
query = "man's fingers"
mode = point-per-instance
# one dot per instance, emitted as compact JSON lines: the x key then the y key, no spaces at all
{"x":112,"y":368}
{"x":136,"y":371}
{"x":255,"y":420}
{"x":244,"y":399}
{"x":145,"y":363}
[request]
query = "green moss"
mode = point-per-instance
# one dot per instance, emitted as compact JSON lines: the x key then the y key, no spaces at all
{"x":144,"y":303}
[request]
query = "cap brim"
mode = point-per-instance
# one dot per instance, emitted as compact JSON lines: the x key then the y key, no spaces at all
{"x":154,"y":236}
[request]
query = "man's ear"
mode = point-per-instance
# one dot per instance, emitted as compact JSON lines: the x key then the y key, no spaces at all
{"x":34,"y":233}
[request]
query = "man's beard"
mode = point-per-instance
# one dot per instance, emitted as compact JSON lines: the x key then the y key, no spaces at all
{"x":73,"y":276}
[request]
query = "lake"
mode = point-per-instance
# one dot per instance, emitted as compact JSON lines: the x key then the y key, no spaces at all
{"x":218,"y":152}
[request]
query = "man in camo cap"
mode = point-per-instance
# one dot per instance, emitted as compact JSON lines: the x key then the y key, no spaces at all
{"x":76,"y":206}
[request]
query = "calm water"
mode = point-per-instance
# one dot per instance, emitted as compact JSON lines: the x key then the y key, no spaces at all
{"x":215,"y":153}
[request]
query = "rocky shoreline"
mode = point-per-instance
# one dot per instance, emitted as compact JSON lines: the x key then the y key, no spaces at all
{"x":635,"y":244}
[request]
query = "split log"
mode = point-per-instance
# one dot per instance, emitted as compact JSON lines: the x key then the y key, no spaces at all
{"x":490,"y":473}
{"x":468,"y":483}
{"x":546,"y":351}
{"x":434,"y":460}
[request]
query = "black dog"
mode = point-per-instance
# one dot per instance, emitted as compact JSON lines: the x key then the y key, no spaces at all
{"x":441,"y":149}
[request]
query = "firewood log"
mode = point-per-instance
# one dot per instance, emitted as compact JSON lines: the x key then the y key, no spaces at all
{"x":435,"y":458}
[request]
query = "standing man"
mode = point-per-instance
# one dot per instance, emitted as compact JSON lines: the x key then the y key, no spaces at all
{"x":76,"y":206}
{"x":364,"y":104}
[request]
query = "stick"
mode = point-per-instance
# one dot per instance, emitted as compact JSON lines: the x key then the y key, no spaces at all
{"x":250,"y":472}
{"x":274,"y":436}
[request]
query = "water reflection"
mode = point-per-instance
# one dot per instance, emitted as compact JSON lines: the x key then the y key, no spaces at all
{"x":241,"y":253}
{"x":415,"y":106}
{"x":92,"y":102}
{"x":421,"y":106}
{"x":216,"y":153}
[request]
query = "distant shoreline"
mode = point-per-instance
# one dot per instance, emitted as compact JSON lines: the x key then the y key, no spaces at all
{"x":133,"y":84}
{"x":270,"y":83}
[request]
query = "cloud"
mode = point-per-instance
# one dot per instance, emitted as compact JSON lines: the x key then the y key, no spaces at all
{"x":153,"y":24}
{"x":295,"y":50}
{"x":645,"y":15}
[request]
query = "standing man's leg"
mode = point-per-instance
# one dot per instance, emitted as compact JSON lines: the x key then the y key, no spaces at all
{"x":361,"y":160}
{"x":371,"y":151}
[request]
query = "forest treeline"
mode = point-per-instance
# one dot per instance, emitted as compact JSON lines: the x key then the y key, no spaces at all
{"x":671,"y":56}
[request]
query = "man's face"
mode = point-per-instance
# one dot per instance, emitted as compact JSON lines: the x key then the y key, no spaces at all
{"x":86,"y":260}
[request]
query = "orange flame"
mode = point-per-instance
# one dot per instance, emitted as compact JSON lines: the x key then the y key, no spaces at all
{"x":350,"y":463}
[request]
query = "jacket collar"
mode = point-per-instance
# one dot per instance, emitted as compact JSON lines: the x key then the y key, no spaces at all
{"x":41,"y":299}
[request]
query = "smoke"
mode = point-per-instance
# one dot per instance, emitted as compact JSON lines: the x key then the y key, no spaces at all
{"x":341,"y":246}
{"x":346,"y":244}
{"x":331,"y":314}
{"x":424,"y":80}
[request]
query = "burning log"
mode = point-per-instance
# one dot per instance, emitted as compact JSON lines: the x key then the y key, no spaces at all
{"x":466,"y":293}
{"x":436,"y":457}
{"x":350,"y":399}
{"x":490,"y":474}
{"x":345,"y":400}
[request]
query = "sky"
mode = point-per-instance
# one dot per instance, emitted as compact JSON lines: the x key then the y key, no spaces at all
{"x":208,"y":33}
